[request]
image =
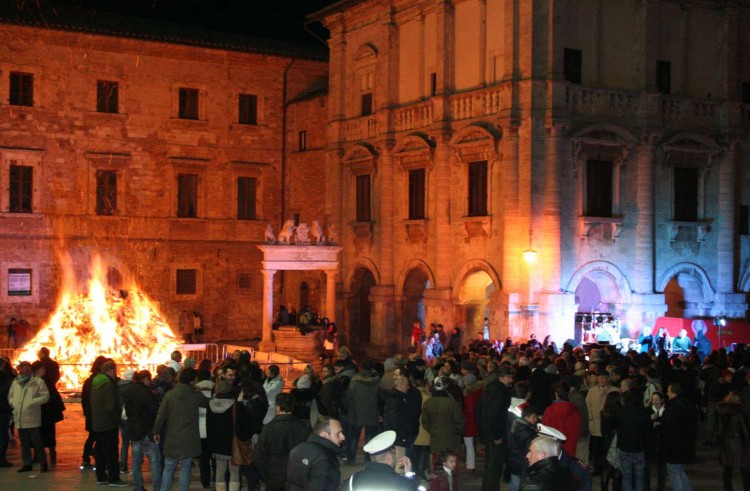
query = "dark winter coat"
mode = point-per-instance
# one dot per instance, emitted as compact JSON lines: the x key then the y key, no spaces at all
{"x":330,"y":397}
{"x":443,"y":418}
{"x":679,"y":428}
{"x":140,"y":408}
{"x":402,"y":413}
{"x":362,"y":399}
{"x":732,"y":433}
{"x":313,"y":466}
{"x":491,"y":410}
{"x":380,"y":476}
{"x":547,"y":475}
{"x":221,"y":427}
{"x":632,"y":423}
{"x":178,"y":416}
{"x":105,"y":408}
{"x":278,"y":438}
{"x":521,"y":434}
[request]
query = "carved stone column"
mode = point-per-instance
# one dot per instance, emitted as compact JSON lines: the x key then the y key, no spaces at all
{"x":267,"y":343}
{"x":331,"y":295}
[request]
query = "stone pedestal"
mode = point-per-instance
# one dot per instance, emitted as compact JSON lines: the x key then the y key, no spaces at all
{"x":290,"y":342}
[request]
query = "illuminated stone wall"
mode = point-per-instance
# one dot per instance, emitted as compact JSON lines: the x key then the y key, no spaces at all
{"x":66,"y":141}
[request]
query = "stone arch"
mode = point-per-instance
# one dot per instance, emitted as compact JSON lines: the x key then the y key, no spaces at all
{"x":366,"y":50}
{"x":359,"y":309}
{"x":363,"y":263}
{"x":613,"y":285}
{"x":476,"y":141}
{"x":692,"y":142}
{"x":472,"y":266}
{"x":692,"y":270}
{"x":605,"y":133}
{"x":410,"y":266}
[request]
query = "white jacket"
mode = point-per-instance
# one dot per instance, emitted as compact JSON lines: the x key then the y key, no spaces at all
{"x":273,"y":387}
{"x":26,"y":400}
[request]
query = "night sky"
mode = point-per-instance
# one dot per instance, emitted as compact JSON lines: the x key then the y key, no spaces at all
{"x":277,"y":19}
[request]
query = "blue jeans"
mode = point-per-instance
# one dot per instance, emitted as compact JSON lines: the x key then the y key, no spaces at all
{"x":515,"y":482}
{"x":170,"y":463}
{"x":124,"y":444}
{"x":351,"y":446}
{"x":150,"y":449}
{"x":678,"y":478}
{"x":633,"y":466}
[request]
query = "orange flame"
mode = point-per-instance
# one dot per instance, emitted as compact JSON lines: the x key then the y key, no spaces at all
{"x":122,"y":324}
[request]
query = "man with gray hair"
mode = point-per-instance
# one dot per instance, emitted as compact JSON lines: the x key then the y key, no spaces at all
{"x":545,"y":473}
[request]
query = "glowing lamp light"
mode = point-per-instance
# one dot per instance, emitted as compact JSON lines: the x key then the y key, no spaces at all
{"x":529,"y":255}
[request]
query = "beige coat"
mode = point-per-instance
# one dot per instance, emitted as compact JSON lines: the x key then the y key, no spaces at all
{"x":595,"y":403}
{"x":27,"y":400}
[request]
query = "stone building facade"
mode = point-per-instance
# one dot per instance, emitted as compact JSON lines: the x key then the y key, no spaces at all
{"x":610,"y":137}
{"x":161,"y":148}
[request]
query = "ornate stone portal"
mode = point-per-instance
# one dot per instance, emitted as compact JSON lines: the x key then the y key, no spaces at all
{"x":296,"y":258}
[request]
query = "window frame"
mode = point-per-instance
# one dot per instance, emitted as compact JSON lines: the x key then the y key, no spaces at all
{"x":247,"y":108}
{"x":680,"y":212}
{"x":21,"y":88}
{"x":589,"y":209}
{"x":477,"y":192}
{"x":106,"y":193}
{"x":573,"y":65}
{"x":186,"y":105}
{"x":109,"y":102}
{"x":417,"y":193}
{"x":363,"y":198}
{"x":20,"y":191}
{"x":252,"y":214}
{"x":188,"y":194}
{"x":663,"y":77}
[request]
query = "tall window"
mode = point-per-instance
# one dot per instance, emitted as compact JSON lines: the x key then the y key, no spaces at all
{"x":685,"y":197}
{"x":599,"y":185}
{"x":21,"y":89}
{"x":363,"y":198}
{"x":663,"y":76}
{"x":366,"y":93}
{"x":246,"y":191}
{"x":416,"y":194}
{"x":186,"y":283}
{"x":573,"y":65}
{"x":187,"y":195}
{"x":189,"y":103}
{"x":21,"y":188}
{"x":106,"y":192}
{"x":302,"y":135}
{"x":746,"y":92}
{"x":107,"y":96}
{"x":433,"y":83}
{"x":248,"y":109}
{"x":478,"y":188}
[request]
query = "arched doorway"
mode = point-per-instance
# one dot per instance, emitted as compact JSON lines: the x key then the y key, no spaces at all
{"x":415,"y":284}
{"x":599,"y":290}
{"x":683,"y":294}
{"x":474,"y":302}
{"x":359,"y":310}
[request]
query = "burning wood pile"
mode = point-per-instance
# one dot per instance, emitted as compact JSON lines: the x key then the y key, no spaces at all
{"x":123,"y":324}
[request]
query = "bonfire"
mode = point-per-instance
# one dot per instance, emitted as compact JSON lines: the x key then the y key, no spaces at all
{"x":119,"y":323}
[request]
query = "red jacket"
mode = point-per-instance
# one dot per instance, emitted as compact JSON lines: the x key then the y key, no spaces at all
{"x":565,"y":417}
{"x":470,"y":401}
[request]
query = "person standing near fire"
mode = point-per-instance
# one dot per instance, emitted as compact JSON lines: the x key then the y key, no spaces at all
{"x":187,"y":326}
{"x":27,"y":394}
{"x":105,"y":423}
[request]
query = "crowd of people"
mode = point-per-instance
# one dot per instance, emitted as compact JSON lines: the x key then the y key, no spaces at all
{"x":546,"y":419}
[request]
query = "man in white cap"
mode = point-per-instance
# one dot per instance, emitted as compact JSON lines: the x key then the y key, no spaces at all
{"x":379,"y":472}
{"x":569,"y":463}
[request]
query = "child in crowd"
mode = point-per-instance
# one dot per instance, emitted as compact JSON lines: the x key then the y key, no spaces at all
{"x":445,"y":478}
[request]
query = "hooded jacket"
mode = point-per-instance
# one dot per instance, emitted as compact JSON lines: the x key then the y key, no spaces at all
{"x":362,"y":399}
{"x":27,"y":399}
{"x":565,"y":417}
{"x":106,"y":411}
{"x":178,"y":418}
{"x":220,"y":424}
{"x":140,"y":407}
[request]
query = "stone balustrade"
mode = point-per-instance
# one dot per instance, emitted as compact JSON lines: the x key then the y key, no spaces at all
{"x":360,"y":128}
{"x":689,"y":111}
{"x":601,"y":103}
{"x":476,"y":104}
{"x":413,"y":116}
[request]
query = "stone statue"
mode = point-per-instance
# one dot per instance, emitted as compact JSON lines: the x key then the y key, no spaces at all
{"x":302,"y":236}
{"x":317,"y":232}
{"x":331,"y":234}
{"x":287,"y":232}
{"x":270,"y":236}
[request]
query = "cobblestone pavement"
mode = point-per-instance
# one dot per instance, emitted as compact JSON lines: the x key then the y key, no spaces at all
{"x":705,"y":474}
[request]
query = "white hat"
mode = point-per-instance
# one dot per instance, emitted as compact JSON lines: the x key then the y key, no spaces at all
{"x":381,"y":443}
{"x":551,"y":432}
{"x":128,"y":375}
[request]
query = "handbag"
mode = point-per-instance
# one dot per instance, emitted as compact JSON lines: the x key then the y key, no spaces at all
{"x":242,"y":450}
{"x":613,"y":453}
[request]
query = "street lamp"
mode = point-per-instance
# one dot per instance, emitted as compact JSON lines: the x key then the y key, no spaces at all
{"x":529,"y":255}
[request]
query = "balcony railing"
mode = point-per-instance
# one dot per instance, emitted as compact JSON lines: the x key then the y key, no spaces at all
{"x":360,"y":128}
{"x":601,"y":103}
{"x":476,"y":104}
{"x":688,"y":111}
{"x":413,"y":116}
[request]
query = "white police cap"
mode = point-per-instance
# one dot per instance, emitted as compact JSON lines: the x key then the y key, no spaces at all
{"x":381,"y":443}
{"x":551,"y":432}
